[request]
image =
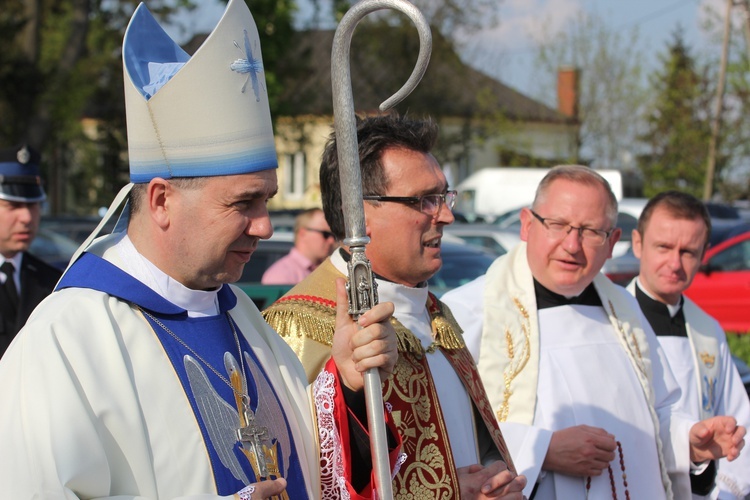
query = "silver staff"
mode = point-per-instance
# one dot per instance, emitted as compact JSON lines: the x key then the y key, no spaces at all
{"x":361,"y":286}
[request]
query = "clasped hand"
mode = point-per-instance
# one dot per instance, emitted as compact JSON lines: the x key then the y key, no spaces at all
{"x":368,"y":343}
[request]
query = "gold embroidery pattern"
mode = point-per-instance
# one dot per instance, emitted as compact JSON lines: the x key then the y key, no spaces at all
{"x":515,"y":366}
{"x":708,"y":359}
{"x":429,"y":470}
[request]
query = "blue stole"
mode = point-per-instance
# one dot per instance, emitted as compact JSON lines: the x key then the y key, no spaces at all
{"x":212,"y":400}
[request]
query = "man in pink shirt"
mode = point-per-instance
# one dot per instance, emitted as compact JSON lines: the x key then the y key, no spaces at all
{"x":313,"y":243}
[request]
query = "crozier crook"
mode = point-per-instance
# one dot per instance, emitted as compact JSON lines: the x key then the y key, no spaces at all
{"x":361,"y":286}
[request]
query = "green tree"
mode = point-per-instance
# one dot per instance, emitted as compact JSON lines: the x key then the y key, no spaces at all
{"x":61,"y":86}
{"x":275,"y":29}
{"x":61,"y":91}
{"x":677,"y":128}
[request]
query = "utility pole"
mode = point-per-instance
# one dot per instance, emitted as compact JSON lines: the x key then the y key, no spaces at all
{"x":716,"y":121}
{"x":746,"y":26}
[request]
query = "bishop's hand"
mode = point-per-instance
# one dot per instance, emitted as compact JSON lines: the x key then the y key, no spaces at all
{"x":716,"y":437}
{"x":262,"y":490}
{"x":370,"y":343}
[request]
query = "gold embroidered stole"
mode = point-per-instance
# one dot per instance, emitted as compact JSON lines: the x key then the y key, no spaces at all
{"x":509,"y":357}
{"x":305,"y":318}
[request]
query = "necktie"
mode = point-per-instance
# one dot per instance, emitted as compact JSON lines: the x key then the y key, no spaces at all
{"x":10,"y":289}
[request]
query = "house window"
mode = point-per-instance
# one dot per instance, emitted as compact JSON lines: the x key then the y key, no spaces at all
{"x":295,"y":175}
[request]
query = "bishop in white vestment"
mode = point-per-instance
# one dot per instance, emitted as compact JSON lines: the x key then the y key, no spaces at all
{"x":145,"y":375}
{"x":106,"y":402}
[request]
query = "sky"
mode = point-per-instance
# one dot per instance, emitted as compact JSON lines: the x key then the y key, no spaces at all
{"x":506,"y":51}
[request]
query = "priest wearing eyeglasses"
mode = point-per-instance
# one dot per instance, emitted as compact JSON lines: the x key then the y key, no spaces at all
{"x":452,"y":445}
{"x":145,"y":374}
{"x":26,"y":279}
{"x":574,"y":373}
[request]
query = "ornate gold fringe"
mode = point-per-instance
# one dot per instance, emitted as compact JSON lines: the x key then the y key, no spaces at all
{"x":300,"y":318}
{"x":303,"y":318}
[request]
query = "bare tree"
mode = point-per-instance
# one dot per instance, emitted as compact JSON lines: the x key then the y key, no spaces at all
{"x":611,"y":90}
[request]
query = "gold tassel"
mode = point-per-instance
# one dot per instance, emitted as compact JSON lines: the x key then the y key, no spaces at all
{"x":300,"y":319}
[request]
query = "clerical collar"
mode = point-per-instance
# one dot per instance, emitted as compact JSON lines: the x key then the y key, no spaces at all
{"x":659,"y":317}
{"x":546,"y":298}
{"x":347,"y":257}
{"x":197,"y":303}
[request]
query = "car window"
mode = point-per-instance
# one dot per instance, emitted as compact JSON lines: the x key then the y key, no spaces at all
{"x":459,"y":269}
{"x":627,"y":223}
{"x":734,"y":258}
{"x":485,"y":242}
{"x":55,"y":249}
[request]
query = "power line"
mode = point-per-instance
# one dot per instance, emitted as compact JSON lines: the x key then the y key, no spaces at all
{"x":638,"y":21}
{"x":658,"y":13}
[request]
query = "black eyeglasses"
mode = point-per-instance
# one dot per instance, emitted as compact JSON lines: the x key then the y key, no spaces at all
{"x":559,"y":229}
{"x":325,"y":234}
{"x":429,"y":204}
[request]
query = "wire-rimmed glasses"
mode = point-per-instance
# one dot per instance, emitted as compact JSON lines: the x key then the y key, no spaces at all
{"x":429,"y":204}
{"x":559,"y":229}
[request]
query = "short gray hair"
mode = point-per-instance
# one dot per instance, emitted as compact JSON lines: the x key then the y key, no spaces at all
{"x":581,"y":175}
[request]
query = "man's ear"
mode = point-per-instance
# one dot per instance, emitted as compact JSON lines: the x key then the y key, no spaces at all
{"x":613,"y":239}
{"x":637,"y":243}
{"x":158,"y":193}
{"x":526,"y":220}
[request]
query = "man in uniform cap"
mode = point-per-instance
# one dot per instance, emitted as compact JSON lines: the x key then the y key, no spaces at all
{"x":145,"y":374}
{"x":26,"y":280}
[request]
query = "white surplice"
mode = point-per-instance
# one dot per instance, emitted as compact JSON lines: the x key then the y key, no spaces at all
{"x":582,"y":375}
{"x":719,"y":393}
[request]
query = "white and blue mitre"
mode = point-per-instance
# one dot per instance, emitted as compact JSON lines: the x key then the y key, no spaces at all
{"x":204,"y":115}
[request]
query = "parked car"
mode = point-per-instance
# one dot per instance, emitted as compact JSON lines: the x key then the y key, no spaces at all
{"x":622,"y":269}
{"x":461,"y":263}
{"x":722,"y":286}
{"x":53,"y":248}
{"x":76,"y":228}
{"x":723,"y":229}
{"x":487,"y":236}
{"x":267,"y":252}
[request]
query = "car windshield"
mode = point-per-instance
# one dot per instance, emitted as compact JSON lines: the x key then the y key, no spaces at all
{"x":459,"y":267}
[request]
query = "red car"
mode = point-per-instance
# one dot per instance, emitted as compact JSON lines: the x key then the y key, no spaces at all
{"x":722,"y":287}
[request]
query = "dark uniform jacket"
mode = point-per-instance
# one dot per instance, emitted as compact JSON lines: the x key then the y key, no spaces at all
{"x":38,"y":279}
